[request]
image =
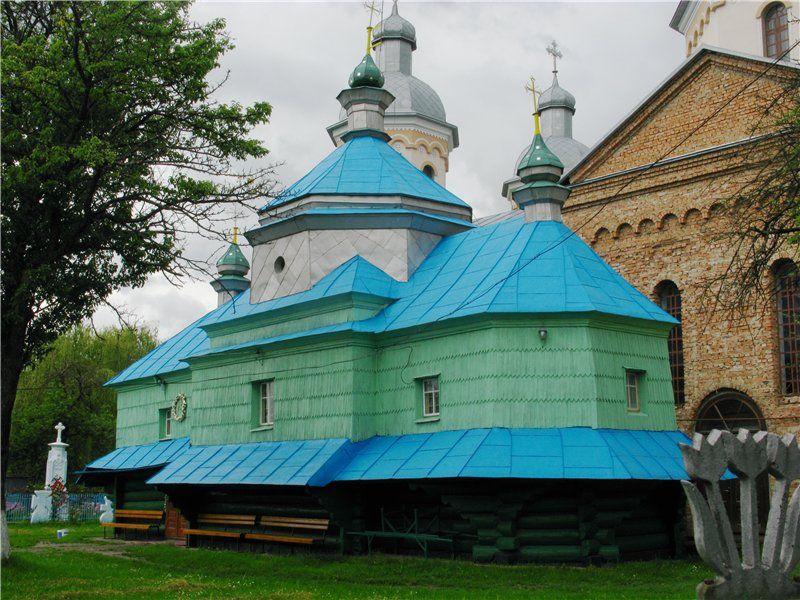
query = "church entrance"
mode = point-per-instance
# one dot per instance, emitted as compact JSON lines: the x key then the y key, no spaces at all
{"x":732,"y":410}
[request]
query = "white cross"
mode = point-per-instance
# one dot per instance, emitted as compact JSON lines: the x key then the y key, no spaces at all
{"x":553,"y":51}
{"x":59,"y":428}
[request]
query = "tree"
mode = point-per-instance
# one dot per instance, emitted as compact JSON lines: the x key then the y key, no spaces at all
{"x":114,"y":150}
{"x":764,"y":214}
{"x":67,"y":385}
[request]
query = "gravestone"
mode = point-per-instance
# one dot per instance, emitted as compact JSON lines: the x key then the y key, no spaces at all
{"x":42,"y":500}
{"x":757,"y":571}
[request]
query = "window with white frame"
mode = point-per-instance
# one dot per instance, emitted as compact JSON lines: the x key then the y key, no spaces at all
{"x":165,"y":423}
{"x":632,"y":390}
{"x":267,"y":403}
{"x":430,"y":397}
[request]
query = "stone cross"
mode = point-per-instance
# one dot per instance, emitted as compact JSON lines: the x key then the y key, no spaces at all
{"x":553,"y":51}
{"x":59,"y":428}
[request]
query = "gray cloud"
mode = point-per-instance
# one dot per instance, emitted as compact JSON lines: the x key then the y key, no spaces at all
{"x":477,"y":56}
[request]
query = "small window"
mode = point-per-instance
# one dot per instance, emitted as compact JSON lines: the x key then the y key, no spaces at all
{"x":266,"y":414}
{"x":428,"y":170}
{"x":165,"y":423}
{"x":430,"y":397}
{"x":632,"y":390}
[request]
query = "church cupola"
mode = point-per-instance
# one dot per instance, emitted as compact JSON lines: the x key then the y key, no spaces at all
{"x":539,"y":194}
{"x":416,"y":121}
{"x":232,"y":269}
{"x":365,"y":101}
{"x":556,"y":108}
{"x":365,"y":199}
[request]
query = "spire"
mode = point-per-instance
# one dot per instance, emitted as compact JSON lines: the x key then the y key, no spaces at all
{"x":232,"y":269}
{"x":366,"y":101}
{"x":540,"y":196}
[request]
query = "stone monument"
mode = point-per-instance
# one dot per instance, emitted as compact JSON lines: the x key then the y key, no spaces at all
{"x":760,"y":572}
{"x":41,"y":503}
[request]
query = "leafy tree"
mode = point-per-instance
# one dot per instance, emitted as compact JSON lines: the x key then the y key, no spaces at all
{"x":67,"y":385}
{"x":113,"y":150}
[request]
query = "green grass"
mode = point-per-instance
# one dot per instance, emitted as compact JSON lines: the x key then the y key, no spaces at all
{"x":83,"y":566}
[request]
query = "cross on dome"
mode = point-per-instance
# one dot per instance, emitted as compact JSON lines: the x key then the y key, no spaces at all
{"x":553,"y":51}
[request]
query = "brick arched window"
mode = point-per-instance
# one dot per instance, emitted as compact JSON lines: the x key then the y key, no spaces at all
{"x":669,"y":299}
{"x":787,"y":292}
{"x":776,"y":30}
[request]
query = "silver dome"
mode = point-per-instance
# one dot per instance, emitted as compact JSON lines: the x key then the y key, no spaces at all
{"x":411,"y":95}
{"x":555,"y":95}
{"x":568,"y":150}
{"x":395,"y":27}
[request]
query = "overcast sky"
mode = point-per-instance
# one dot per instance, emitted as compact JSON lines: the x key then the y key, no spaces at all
{"x":476,"y":55}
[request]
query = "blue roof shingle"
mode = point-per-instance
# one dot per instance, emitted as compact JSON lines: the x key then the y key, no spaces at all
{"x":366,"y":166}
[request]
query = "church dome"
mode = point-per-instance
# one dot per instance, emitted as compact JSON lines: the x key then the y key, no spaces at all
{"x":411,"y":95}
{"x":570,"y":151}
{"x":395,"y":27}
{"x":556,"y":96}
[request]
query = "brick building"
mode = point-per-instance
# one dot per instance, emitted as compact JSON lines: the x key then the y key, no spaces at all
{"x":663,"y":228}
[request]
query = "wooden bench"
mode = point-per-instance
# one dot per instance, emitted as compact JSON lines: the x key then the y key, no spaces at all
{"x":263,"y":529}
{"x":316,"y":529}
{"x":154,"y":519}
{"x":223,"y":521}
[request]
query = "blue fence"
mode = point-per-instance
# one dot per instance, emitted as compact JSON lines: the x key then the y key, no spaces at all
{"x":81,"y":507}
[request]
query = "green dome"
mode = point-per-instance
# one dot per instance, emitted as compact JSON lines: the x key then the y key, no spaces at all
{"x":366,"y":73}
{"x":539,"y":155}
{"x":233,"y":258}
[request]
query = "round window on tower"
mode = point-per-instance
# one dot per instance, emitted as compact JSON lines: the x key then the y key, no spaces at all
{"x":279,"y":264}
{"x":428,"y":170}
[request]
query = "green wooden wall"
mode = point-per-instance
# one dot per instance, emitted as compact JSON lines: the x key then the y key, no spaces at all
{"x":493,"y":372}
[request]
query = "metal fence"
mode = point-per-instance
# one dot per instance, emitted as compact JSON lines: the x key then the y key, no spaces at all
{"x":81,"y":507}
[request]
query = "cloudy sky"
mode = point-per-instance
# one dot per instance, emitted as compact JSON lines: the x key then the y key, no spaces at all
{"x":476,"y":55}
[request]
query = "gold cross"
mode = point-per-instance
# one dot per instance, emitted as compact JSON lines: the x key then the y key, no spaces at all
{"x":553,"y":51}
{"x":531,"y":87}
{"x":235,"y":234}
{"x":370,"y":6}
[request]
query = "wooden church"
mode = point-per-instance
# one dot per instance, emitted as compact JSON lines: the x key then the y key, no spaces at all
{"x":394,"y":376}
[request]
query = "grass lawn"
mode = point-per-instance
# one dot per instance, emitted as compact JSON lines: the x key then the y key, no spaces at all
{"x":82,"y":565}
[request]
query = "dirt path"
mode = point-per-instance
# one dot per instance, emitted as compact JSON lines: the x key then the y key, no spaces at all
{"x":106,"y":547}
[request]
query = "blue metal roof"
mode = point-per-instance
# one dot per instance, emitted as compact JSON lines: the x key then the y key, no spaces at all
{"x":356,"y":275}
{"x":541,"y":267}
{"x":566,"y":453}
{"x":557,"y":453}
{"x":510,"y":267}
{"x":366,"y":166}
{"x":140,"y":457}
{"x":309,"y":462}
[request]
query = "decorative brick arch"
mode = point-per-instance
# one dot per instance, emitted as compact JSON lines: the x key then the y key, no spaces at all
{"x":624,"y":230}
{"x":600,"y":234}
{"x":691,"y":214}
{"x":645,"y":226}
{"x":667,"y":220}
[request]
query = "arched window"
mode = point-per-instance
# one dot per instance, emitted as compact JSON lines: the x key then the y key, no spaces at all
{"x":776,"y":30}
{"x":428,"y":170}
{"x":731,"y":410}
{"x":669,"y":299}
{"x":787,"y":292}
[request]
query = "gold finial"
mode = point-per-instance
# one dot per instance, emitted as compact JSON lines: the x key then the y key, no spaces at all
{"x":235,"y":235}
{"x":531,"y":87}
{"x":370,"y":6}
